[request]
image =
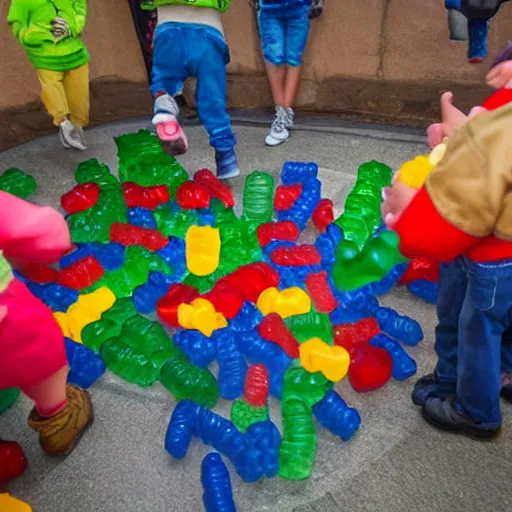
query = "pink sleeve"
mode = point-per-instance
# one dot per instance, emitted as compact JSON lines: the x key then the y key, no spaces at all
{"x":31,"y":233}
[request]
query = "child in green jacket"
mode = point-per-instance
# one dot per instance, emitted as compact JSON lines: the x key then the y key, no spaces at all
{"x":49,"y":31}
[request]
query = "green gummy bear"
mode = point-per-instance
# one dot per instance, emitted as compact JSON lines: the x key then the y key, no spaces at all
{"x":258,"y":197}
{"x":8,"y":397}
{"x":93,"y":171}
{"x":243,"y":414}
{"x":311,"y":325}
{"x":173,"y":221}
{"x":16,"y":182}
{"x":223,"y":215}
{"x":301,"y":384}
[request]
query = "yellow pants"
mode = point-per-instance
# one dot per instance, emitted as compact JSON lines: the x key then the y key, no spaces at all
{"x":65,"y":94}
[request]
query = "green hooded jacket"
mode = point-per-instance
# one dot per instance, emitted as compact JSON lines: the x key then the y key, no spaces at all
{"x":31,"y":23}
{"x":220,"y":5}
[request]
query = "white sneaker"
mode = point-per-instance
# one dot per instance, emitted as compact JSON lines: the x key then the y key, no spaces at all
{"x":278,"y":132}
{"x":69,"y":136}
{"x":289,"y":118}
{"x":165,"y":110}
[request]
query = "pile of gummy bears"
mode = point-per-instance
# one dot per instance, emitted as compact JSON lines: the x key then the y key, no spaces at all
{"x":166,"y":278}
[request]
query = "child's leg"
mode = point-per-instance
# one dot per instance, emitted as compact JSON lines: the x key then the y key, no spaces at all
{"x":53,"y":94}
{"x":76,"y":87}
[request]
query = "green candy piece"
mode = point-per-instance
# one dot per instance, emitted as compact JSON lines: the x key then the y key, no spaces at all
{"x":174,"y":222}
{"x":94,"y":171}
{"x":258,"y":197}
{"x":311,"y":325}
{"x":8,"y":397}
{"x":223,"y":215}
{"x":243,"y":415}
{"x":303,"y":385}
{"x":19,"y":184}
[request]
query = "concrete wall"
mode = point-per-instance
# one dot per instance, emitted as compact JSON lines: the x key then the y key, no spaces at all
{"x":375,"y":59}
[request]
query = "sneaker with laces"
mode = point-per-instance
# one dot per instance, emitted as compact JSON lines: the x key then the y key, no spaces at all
{"x":278,"y":131}
{"x":289,"y":118}
{"x":227,"y":164}
{"x":69,"y":136}
{"x":168,"y":128}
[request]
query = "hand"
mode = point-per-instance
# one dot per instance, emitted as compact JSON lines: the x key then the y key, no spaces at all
{"x":395,"y":200}
{"x":500,"y":77}
{"x":60,"y":28}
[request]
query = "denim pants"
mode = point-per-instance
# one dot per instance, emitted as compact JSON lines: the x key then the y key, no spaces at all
{"x":475,"y":314}
{"x":187,"y":49}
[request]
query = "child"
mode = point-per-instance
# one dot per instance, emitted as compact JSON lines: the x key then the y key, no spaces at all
{"x":189,"y":41}
{"x":284,"y":30}
{"x":463,"y":215}
{"x":32,"y":352}
{"x":49,"y":31}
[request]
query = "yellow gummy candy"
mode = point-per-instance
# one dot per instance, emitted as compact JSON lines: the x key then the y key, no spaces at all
{"x":318,"y":356}
{"x":289,"y":302}
{"x":10,"y":504}
{"x":200,"y":315}
{"x":62,"y":319}
{"x":202,"y":248}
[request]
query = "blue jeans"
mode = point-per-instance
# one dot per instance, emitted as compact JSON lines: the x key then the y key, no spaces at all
{"x":187,"y":49}
{"x":474,"y":311}
{"x":284,"y":34}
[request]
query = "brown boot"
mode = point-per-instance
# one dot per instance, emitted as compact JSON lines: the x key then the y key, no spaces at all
{"x":59,"y":434}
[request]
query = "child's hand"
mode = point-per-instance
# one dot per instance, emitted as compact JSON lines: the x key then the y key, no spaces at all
{"x":60,"y":28}
{"x":500,"y":77}
{"x":435,"y":135}
{"x":395,"y":200}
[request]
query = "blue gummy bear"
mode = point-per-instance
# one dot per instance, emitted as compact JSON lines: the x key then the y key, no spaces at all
{"x":110,"y":255}
{"x":55,"y":296}
{"x":147,"y":295}
{"x":247,"y":319}
{"x":181,"y":428}
{"x":259,"y":351}
{"x":353,"y":306}
{"x":326,"y":244}
{"x":387,"y":283}
{"x":404,"y":366}
{"x":206,"y":217}
{"x":305,"y":205}
{"x":86,"y":367}
{"x":174,"y":254}
{"x":232,"y":365}
{"x":400,"y":327}
{"x":142,"y":217}
{"x":200,"y":349}
{"x":298,"y":172}
{"x":218,"y":493}
{"x":293,"y":276}
{"x":425,"y":290}
{"x":333,"y":414}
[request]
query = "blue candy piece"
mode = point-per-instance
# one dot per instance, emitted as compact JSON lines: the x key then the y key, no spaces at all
{"x":200,"y":349}
{"x":333,"y":414}
{"x":174,"y":254}
{"x":55,"y":296}
{"x":86,"y":367}
{"x":353,"y":306}
{"x":399,"y":327}
{"x":247,"y":319}
{"x":425,"y":290}
{"x":110,"y":255}
{"x":181,"y":428}
{"x":232,"y":365}
{"x":298,"y":172}
{"x":305,"y":205}
{"x":326,"y":244}
{"x":404,"y":366}
{"x":142,"y":217}
{"x":293,"y":276}
{"x":218,"y":493}
{"x":147,"y":295}
{"x":206,"y":217}
{"x":386,"y":284}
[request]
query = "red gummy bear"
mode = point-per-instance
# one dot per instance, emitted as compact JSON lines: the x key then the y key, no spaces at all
{"x":296,"y":256}
{"x":286,"y":196}
{"x":127,"y":234}
{"x":191,"y":195}
{"x":323,"y":214}
{"x":217,"y":188}
{"x":273,"y":329}
{"x":225,"y":298}
{"x":320,"y":292}
{"x":145,"y":197}
{"x":80,"y":198}
{"x":286,"y":230}
{"x":38,"y":273}
{"x":167,"y":307}
{"x":349,"y":336}
{"x":421,"y":268}
{"x":250,"y":280}
{"x":81,"y":274}
{"x":370,"y":368}
{"x":13,"y":462}
{"x":256,"y":385}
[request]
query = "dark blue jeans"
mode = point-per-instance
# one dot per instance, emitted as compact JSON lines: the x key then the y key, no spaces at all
{"x":474,"y":311}
{"x":187,"y":49}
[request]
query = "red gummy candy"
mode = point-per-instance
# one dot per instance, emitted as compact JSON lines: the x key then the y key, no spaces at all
{"x":320,"y":292}
{"x":225,"y":299}
{"x":167,"y":307}
{"x":284,"y":231}
{"x":296,"y":256}
{"x":13,"y":462}
{"x":217,"y":188}
{"x":250,"y":280}
{"x":81,"y":274}
{"x":323,"y":214}
{"x":421,"y":268}
{"x":256,"y":385}
{"x":80,"y":198}
{"x":192,"y":195}
{"x":370,"y":368}
{"x":286,"y":196}
{"x":39,"y":273}
{"x":127,"y":234}
{"x":273,"y":329}
{"x":350,"y":336}
{"x":145,"y":197}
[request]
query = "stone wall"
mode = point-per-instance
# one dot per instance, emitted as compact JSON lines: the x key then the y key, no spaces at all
{"x":384,"y":60}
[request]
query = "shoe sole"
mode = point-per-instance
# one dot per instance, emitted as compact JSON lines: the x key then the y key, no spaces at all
{"x":467,"y":430}
{"x":277,"y":143}
{"x":175,"y":147}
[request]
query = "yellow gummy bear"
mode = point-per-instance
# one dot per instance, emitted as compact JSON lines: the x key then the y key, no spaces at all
{"x":289,"y":302}
{"x":318,"y":356}
{"x":201,"y":315}
{"x":10,"y":504}
{"x":202,"y":247}
{"x":87,"y":309}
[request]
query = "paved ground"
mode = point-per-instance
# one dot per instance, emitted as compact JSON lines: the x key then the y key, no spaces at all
{"x":396,"y":463}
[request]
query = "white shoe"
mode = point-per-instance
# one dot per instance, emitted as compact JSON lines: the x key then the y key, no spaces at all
{"x":69,"y":136}
{"x":289,"y":118}
{"x":165,"y":110}
{"x":278,"y":132}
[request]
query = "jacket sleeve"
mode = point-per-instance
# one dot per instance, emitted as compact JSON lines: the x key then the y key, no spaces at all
{"x":80,"y":8}
{"x":26,"y":33}
{"x":31,"y":233}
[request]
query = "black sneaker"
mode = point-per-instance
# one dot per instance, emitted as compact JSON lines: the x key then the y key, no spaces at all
{"x":429,"y":386}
